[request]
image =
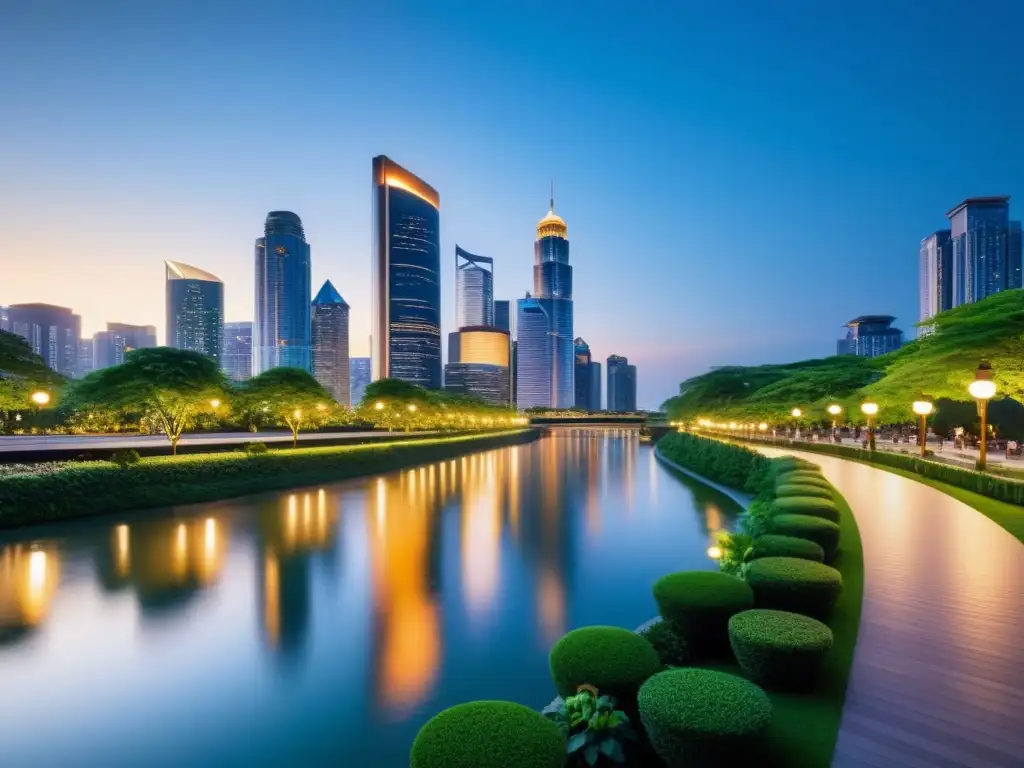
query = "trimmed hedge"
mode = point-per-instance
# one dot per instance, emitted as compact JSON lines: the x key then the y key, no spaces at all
{"x":803,"y":489}
{"x":823,"y":532}
{"x":488,"y":734}
{"x":802,"y":477}
{"x":670,"y":646}
{"x":806,"y":505}
{"x":725,"y":463}
{"x":701,"y":717}
{"x":792,"y":584}
{"x":779,"y":649}
{"x":90,"y":488}
{"x":774,"y":545}
{"x":614,"y":660}
{"x":698,"y":605}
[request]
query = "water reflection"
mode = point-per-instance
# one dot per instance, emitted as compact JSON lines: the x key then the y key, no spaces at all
{"x":385,"y":599}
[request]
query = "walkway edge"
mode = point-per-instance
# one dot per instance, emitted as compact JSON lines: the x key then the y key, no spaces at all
{"x":741,"y":498}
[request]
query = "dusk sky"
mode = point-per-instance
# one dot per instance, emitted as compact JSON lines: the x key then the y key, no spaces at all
{"x":739,"y":178}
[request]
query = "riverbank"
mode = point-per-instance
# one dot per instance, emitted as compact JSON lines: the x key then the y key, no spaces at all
{"x":81,"y":489}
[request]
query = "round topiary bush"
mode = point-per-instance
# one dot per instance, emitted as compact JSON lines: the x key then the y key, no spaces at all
{"x":701,"y":717}
{"x":792,"y":584}
{"x":806,"y":505}
{"x":823,"y":532}
{"x":488,"y":734}
{"x":612,"y":659}
{"x":773,"y":545}
{"x":670,"y":646}
{"x":803,"y":489}
{"x":802,"y":477}
{"x":779,"y":649}
{"x":699,"y":604}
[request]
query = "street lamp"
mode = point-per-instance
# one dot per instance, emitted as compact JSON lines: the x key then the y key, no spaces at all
{"x":870,"y":409}
{"x":763,"y":427}
{"x":379,"y":405}
{"x":796,"y":413}
{"x":834,"y":411}
{"x":982,"y":389}
{"x":40,"y":398}
{"x":922,"y":408}
{"x":412,"y":407}
{"x":215,"y":403}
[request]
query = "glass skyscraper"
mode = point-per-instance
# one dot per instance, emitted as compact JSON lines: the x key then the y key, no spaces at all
{"x":935,"y":283}
{"x":587,"y":384}
{"x":474,"y":289}
{"x":281,"y":333}
{"x":195,"y":310}
{"x":406,"y":324}
{"x":359,"y":378}
{"x":621,"y":385}
{"x":980,"y":234}
{"x":1016,"y":257}
{"x":502,"y":315}
{"x":870,"y":336}
{"x":534,"y":373}
{"x":111,"y":346}
{"x":236,"y":359}
{"x":52,"y":332}
{"x":330,"y":342}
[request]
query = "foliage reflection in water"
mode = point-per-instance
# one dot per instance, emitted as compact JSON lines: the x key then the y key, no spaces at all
{"x":375,"y":603}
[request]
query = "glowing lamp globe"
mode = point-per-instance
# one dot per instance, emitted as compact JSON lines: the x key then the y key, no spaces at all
{"x":869,"y":408}
{"x":922,"y":407}
{"x":835,"y":410}
{"x":762,"y":426}
{"x":797,"y":413}
{"x":40,"y":398}
{"x":982,"y":389}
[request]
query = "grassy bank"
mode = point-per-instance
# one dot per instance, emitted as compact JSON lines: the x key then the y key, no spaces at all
{"x":91,"y":488}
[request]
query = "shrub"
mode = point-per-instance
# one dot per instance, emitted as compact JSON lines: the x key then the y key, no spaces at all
{"x":803,"y":489}
{"x":725,"y":463}
{"x":125,"y":458}
{"x":671,"y":648}
{"x":733,"y":548}
{"x":773,"y":545}
{"x":802,"y":477}
{"x":255,"y":449}
{"x":612,"y":659}
{"x":779,"y":649}
{"x":698,"y":605}
{"x":701,"y":717}
{"x":792,"y":584}
{"x":757,"y":520}
{"x":806,"y":505}
{"x":823,"y":532}
{"x":488,"y":734}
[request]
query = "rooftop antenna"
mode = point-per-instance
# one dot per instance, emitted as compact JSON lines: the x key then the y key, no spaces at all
{"x":552,"y":206}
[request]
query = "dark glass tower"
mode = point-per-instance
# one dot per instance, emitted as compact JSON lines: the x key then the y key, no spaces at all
{"x":330,"y":342}
{"x":236,"y":360}
{"x":195,"y":310}
{"x":581,"y":374}
{"x":281,"y":333}
{"x":552,"y":288}
{"x":621,"y":385}
{"x":406,"y":290}
{"x":980,"y":234}
{"x":502,"y":315}
{"x":52,"y":332}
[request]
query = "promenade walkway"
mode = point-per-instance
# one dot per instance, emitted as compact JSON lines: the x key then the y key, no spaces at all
{"x":938,"y":673}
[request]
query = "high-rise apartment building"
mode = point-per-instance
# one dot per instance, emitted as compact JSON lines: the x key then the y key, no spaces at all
{"x":52,"y":332}
{"x":5,"y":320}
{"x":935,"y":275}
{"x":587,"y":384}
{"x":195,"y":310}
{"x":980,"y":233}
{"x":474,"y":289}
{"x":1015,"y":259}
{"x":595,"y":387}
{"x":236,"y":359}
{"x":406,"y":290}
{"x":281,"y":333}
{"x":86,"y":356}
{"x":534,"y":370}
{"x":330,"y":342}
{"x":621,"y":385}
{"x":483,"y":367}
{"x":502,"y":315}
{"x":870,"y":336}
{"x":111,"y":346}
{"x":360,"y":371}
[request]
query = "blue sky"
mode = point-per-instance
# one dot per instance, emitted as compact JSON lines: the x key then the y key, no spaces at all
{"x":738,"y":178}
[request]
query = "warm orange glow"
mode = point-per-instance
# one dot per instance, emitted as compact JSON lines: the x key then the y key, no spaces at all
{"x":398,"y":177}
{"x":480,"y":544}
{"x":271,"y":599}
{"x":484,"y":347}
{"x":123,"y":555}
{"x":552,"y":605}
{"x":29,"y":576}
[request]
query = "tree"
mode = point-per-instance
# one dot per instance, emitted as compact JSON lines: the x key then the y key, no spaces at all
{"x":168,"y":386}
{"x":290,"y":394}
{"x":22,"y":373}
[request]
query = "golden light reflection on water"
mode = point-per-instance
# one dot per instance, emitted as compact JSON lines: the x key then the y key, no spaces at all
{"x":29,"y":576}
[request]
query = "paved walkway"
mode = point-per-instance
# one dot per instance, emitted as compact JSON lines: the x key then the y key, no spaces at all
{"x":938,"y":673}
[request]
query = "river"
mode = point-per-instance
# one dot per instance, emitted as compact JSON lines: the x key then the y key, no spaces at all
{"x":324,"y":625}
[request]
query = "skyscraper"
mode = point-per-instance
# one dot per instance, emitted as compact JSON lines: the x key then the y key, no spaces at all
{"x":110,"y":346}
{"x":935,"y":284}
{"x":595,"y":387}
{"x":870,"y":336}
{"x":534,"y":374}
{"x":359,"y":376}
{"x":588,"y":396}
{"x":281,"y":333}
{"x":474,"y":289}
{"x":980,"y":233}
{"x":195,"y":310}
{"x":330,"y":342}
{"x":1015,"y":259}
{"x":86,"y":357}
{"x":502,"y":316}
{"x":406,"y":290}
{"x":621,"y":385}
{"x":5,"y":320}
{"x":52,"y":332}
{"x":482,"y":370}
{"x":236,"y":359}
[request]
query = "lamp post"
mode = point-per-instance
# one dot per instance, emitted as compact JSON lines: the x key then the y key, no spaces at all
{"x":982,"y":389}
{"x":834,"y":411}
{"x":870,"y":409}
{"x":922,"y":408}
{"x":796,"y":413}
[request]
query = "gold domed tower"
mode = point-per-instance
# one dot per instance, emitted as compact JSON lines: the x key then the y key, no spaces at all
{"x":552,"y":225}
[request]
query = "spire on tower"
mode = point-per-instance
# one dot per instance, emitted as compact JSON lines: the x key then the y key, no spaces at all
{"x":552,"y":205}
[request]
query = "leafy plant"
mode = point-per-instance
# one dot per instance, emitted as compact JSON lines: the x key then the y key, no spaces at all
{"x":125,"y":458}
{"x":734,"y":548}
{"x":594,"y":728}
{"x":670,"y":646}
{"x":254,"y":449}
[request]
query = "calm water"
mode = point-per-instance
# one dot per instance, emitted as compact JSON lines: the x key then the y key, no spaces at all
{"x":323,"y":626}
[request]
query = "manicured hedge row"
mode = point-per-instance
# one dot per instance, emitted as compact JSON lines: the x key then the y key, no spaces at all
{"x":731,"y":465}
{"x":779,"y":649}
{"x":803,"y":489}
{"x":823,"y":532}
{"x":806,"y":505}
{"x":792,"y":584}
{"x":614,"y":660}
{"x":91,"y":488}
{"x":774,"y":545}
{"x":699,"y":604}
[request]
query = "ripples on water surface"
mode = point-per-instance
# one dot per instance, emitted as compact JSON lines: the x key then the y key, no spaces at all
{"x":323,"y":626}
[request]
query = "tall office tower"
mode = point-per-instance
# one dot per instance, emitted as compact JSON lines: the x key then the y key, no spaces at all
{"x":195,"y":310}
{"x":330,"y":342}
{"x":111,"y":346}
{"x":934,"y":279}
{"x":552,"y":287}
{"x":534,"y":374}
{"x":85,"y":358}
{"x":621,"y":385}
{"x":514,"y":371}
{"x":360,"y":370}
{"x":595,"y":388}
{"x":502,"y":316}
{"x":5,"y":320}
{"x":406,"y":289}
{"x":453,"y":347}
{"x":474,"y":289}
{"x":236,"y":359}
{"x":483,"y":367}
{"x":52,"y":332}
{"x":870,"y":336}
{"x":1015,"y":258}
{"x":581,"y":375}
{"x":281,"y":333}
{"x":980,"y":232}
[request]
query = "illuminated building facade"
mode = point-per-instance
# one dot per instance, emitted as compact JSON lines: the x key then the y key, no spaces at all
{"x":621,"y":385}
{"x":482,"y":368}
{"x":236,"y":359}
{"x":870,"y":336}
{"x":552,"y":288}
{"x":110,"y":346}
{"x":195,"y":310}
{"x":359,"y":378}
{"x":587,"y":378}
{"x":474,"y":289}
{"x":534,"y":370}
{"x":406,"y":290}
{"x":281,"y":333}
{"x":52,"y":332}
{"x":330,"y":342}
{"x":935,"y":285}
{"x":980,"y":234}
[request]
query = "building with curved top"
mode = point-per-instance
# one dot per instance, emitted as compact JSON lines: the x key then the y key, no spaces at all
{"x":281,"y":332}
{"x":406,"y":291}
{"x":587,"y":378}
{"x":870,"y":336}
{"x":482,"y":367}
{"x":621,"y":385}
{"x":330,"y":343}
{"x":474,"y":289}
{"x":195,"y":310}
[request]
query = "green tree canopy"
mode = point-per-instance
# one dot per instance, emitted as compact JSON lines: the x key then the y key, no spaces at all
{"x":23,"y":372}
{"x":170,"y":386}
{"x":289,"y":394}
